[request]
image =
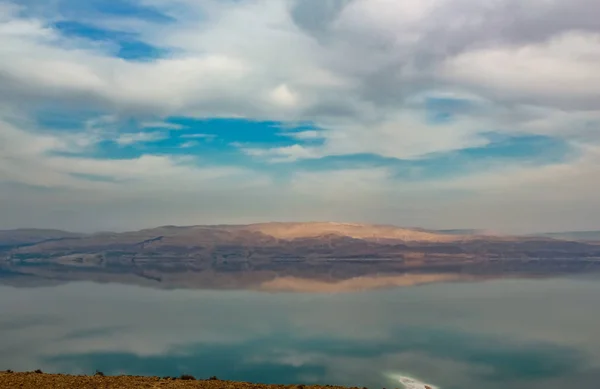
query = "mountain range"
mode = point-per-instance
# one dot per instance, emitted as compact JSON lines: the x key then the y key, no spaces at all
{"x":288,"y":256}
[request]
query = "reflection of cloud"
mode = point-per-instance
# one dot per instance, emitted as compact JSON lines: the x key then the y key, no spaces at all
{"x":410,"y":382}
{"x":260,"y":359}
{"x":99,"y":332}
{"x":496,"y":335}
{"x":27,"y":322}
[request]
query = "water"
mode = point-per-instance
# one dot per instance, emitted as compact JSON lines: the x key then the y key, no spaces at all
{"x":504,"y":334}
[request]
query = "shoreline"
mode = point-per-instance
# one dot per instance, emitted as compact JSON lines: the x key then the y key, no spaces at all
{"x":40,"y":380}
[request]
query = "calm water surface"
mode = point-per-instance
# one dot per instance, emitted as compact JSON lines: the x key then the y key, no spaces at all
{"x":505,"y":334}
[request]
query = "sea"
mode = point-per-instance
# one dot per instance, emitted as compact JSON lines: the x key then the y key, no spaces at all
{"x":496,"y":334}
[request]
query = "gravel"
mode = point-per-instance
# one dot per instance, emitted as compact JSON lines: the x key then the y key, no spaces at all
{"x":35,"y":380}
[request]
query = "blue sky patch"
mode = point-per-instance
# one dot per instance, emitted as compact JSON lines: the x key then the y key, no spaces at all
{"x":214,"y":142}
{"x":442,"y":110}
{"x":82,"y":9}
{"x":251,"y":132}
{"x":127,"y":45}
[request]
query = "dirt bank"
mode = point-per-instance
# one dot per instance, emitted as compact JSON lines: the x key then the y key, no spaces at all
{"x":41,"y":381}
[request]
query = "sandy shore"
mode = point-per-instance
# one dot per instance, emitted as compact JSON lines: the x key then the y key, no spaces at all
{"x":41,"y":381}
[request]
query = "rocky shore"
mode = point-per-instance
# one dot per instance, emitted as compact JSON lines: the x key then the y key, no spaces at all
{"x":39,"y":380}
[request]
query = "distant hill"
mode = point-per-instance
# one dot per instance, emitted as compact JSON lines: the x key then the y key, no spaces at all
{"x":32,"y":235}
{"x":295,"y":255}
{"x":584,"y":236}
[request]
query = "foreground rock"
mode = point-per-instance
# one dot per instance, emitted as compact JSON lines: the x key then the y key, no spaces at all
{"x":42,"y":381}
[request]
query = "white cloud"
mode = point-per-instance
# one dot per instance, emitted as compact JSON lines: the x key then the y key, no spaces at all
{"x":303,"y":135}
{"x":30,"y":159}
{"x":349,"y":182}
{"x":140,"y":137}
{"x":362,"y":71}
{"x":283,"y":96}
{"x":558,"y":71}
{"x":199,"y":136}
{"x":403,"y":136}
{"x":162,"y":125}
{"x":284,"y":154}
{"x":187,"y":145}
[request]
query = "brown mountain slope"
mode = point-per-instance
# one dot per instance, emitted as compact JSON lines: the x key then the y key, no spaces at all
{"x":266,"y":234}
{"x":250,"y":255}
{"x":32,"y":235}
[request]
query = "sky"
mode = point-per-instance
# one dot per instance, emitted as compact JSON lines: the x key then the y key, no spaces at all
{"x":126,"y":114}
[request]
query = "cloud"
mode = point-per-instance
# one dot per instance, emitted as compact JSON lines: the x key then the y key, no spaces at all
{"x":140,"y":137}
{"x":199,"y":136}
{"x":284,"y":154}
{"x":402,"y":136}
{"x":400,"y":81}
{"x":35,"y":165}
{"x":189,"y":144}
{"x":561,"y":71}
{"x":162,"y":125}
{"x":282,"y":95}
{"x":303,"y":135}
